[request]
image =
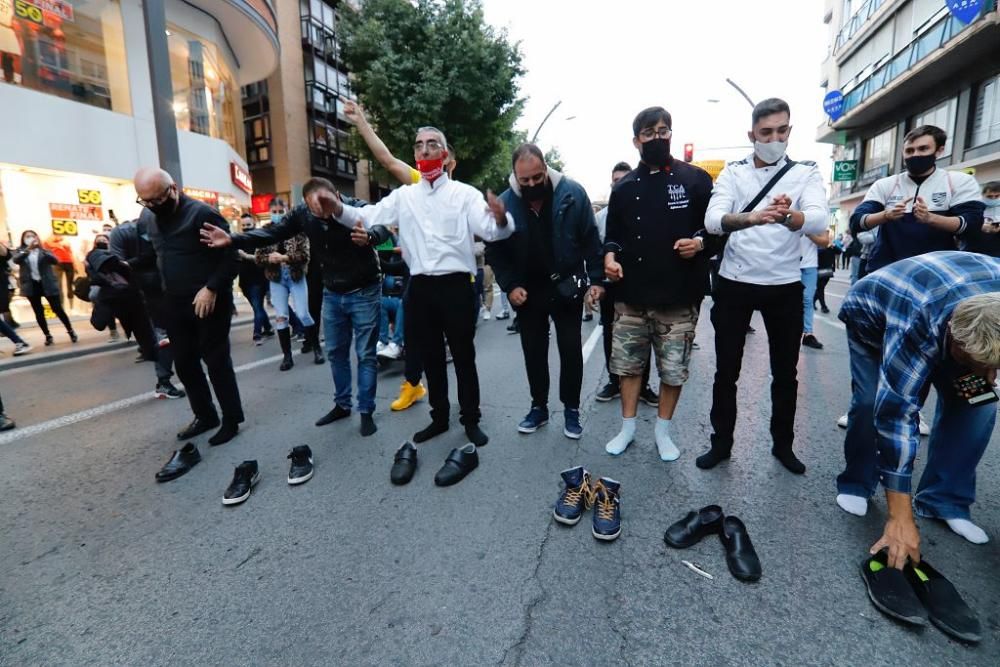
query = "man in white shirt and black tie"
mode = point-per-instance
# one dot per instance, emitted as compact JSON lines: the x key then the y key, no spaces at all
{"x":438,"y":220}
{"x":760,"y":271}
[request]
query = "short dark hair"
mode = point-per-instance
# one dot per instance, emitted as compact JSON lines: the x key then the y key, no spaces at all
{"x":940,"y":136}
{"x":317,"y":183}
{"x":247,"y":215}
{"x":621,"y":166}
{"x":278,"y":201}
{"x":991,"y":186}
{"x":769,"y":107}
{"x":649,"y":118}
{"x":523,"y":151}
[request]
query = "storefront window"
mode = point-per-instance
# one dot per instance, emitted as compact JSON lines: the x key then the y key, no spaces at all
{"x":986,"y":115}
{"x":878,"y":149}
{"x":204,"y":92}
{"x":943,"y":115}
{"x":75,"y":50}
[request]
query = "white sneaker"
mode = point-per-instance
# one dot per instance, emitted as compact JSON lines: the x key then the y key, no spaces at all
{"x":21,"y":348}
{"x":390,"y":351}
{"x":379,"y":348}
{"x":487,"y":315}
{"x":842,"y":422}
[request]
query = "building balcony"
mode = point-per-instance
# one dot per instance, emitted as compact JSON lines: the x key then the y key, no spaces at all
{"x":948,"y":48}
{"x":251,"y":28}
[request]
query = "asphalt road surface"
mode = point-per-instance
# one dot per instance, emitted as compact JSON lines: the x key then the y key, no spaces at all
{"x":100,"y":565}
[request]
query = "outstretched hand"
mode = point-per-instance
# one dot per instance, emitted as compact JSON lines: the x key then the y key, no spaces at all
{"x":214,"y":236}
{"x":496,"y":207}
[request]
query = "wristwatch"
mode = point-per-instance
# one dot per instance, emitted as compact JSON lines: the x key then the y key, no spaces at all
{"x":787,"y":220}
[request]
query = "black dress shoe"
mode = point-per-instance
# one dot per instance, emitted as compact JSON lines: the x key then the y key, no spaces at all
{"x":225,"y":434}
{"x":333,"y":415}
{"x":368,"y":426}
{"x":404,"y":464}
{"x":197,"y":427}
{"x":458,"y":464}
{"x":180,"y":463}
{"x":890,"y":592}
{"x":947,"y":609}
{"x":688,"y":531}
{"x":712,"y":458}
{"x":740,"y":555}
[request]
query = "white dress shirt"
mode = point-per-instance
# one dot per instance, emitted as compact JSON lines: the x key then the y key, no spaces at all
{"x":810,"y":254}
{"x":437,"y":224}
{"x":766,"y":254}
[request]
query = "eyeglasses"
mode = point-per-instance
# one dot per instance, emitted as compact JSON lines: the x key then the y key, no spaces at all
{"x":149,"y":203}
{"x":660,"y":133}
{"x":431,"y":145}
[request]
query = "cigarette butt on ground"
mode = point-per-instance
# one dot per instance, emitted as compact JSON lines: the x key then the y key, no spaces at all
{"x":691,"y":566}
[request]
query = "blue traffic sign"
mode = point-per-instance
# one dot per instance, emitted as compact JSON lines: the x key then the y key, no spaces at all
{"x":965,"y":11}
{"x":833,"y":104}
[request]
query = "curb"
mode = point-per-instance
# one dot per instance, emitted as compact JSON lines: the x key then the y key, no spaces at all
{"x":31,"y":359}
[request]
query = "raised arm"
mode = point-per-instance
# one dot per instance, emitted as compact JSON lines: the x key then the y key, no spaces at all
{"x":401,"y":171}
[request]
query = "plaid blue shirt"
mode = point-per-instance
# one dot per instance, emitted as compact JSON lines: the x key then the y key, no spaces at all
{"x":903,"y":309}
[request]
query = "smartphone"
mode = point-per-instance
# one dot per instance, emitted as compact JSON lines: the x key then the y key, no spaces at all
{"x":975,"y":389}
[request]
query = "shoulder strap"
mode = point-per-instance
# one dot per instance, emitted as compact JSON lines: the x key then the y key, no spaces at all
{"x":767,"y":188}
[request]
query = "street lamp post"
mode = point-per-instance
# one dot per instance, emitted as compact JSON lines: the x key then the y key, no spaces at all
{"x":551,"y":111}
{"x":740,"y":91}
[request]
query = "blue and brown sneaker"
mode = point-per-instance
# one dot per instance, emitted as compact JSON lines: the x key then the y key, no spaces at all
{"x":606,"y":494}
{"x":575,"y":496}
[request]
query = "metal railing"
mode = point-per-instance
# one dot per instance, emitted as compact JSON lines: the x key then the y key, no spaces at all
{"x":855,"y":23}
{"x":942,"y":32}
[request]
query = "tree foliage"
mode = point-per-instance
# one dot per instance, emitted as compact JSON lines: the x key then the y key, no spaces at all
{"x":434,"y":62}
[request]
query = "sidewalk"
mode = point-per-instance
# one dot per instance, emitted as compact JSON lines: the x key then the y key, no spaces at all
{"x":91,"y":340}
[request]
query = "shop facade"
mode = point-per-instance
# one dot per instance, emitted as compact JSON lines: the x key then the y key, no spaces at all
{"x":78,"y":106}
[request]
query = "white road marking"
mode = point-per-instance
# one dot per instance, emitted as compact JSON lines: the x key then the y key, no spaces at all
{"x":832,"y":323}
{"x":107,"y":408}
{"x":588,"y":347}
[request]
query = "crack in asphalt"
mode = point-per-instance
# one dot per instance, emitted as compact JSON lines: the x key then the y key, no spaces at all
{"x":535,"y":601}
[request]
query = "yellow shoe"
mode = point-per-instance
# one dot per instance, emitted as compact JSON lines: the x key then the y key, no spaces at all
{"x":408,"y":395}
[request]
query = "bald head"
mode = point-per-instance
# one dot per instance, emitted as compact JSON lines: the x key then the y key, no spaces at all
{"x":151,"y":182}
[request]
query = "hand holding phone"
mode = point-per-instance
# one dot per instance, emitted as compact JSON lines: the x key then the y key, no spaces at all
{"x":975,"y":389}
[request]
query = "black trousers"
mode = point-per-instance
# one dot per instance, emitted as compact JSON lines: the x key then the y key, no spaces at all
{"x":195,"y":340}
{"x":821,"y":291}
{"x":55,"y":302}
{"x":438,"y":307}
{"x":781,"y":308}
{"x":413,"y":365}
{"x":156,"y":305}
{"x":314,"y":281}
{"x":534,"y":315}
{"x":608,"y":324}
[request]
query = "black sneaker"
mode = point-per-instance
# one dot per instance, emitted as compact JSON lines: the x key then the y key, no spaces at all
{"x":6,"y":423}
{"x":649,"y":397}
{"x":301,"y":470}
{"x":167,"y":390}
{"x":514,"y":328}
{"x":244,"y":479}
{"x":575,"y":496}
{"x":609,"y":392}
{"x":809,"y":340}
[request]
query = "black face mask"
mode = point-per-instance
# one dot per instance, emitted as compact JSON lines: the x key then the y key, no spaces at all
{"x":656,"y":152}
{"x":920,"y":164}
{"x":534,"y":192}
{"x":164,"y":208}
{"x":103,"y":245}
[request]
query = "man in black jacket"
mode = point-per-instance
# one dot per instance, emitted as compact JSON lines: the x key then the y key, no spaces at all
{"x":545,"y":268}
{"x":130,"y":243}
{"x":352,"y":282}
{"x":198,"y":300}
{"x":656,"y":254}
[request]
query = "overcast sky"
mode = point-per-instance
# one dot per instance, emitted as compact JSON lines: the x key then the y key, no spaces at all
{"x":607,"y":60}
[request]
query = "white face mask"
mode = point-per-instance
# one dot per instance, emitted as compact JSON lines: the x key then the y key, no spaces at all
{"x":770,"y":152}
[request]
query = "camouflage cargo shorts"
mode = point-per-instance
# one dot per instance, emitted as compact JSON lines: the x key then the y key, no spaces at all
{"x":670,"y":332}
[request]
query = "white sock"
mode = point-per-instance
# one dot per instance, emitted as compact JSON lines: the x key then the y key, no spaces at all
{"x":968,"y":530}
{"x":668,"y":450}
{"x":620,"y":442}
{"x":855,"y":505}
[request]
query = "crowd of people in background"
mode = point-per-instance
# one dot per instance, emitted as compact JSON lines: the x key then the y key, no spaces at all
{"x":409,"y":277}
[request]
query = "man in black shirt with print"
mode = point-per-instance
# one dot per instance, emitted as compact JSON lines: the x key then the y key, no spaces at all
{"x":655,"y":253}
{"x":198,"y":300}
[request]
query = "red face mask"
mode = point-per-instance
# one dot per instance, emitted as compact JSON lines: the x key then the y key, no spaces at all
{"x":430,"y":170}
